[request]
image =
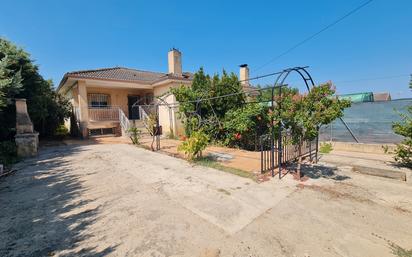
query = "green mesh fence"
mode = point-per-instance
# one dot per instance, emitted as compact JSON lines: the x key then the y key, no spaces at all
{"x":371,"y":122}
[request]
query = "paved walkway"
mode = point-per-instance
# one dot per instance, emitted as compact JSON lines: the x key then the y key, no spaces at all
{"x":382,"y":165}
{"x":235,"y":158}
{"x":120,"y":200}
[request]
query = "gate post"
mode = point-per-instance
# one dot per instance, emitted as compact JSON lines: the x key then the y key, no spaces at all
{"x":280,"y":133}
{"x":272,"y":138}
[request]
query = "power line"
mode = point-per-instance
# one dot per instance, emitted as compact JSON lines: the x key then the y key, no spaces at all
{"x":316,"y":34}
{"x":359,"y":80}
{"x":272,"y":74}
{"x":233,"y":94}
{"x":370,"y":79}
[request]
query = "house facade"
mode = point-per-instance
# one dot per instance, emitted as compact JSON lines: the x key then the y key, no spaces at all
{"x":109,"y":100}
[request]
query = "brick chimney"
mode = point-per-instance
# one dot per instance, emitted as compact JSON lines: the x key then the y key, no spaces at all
{"x":244,"y":76}
{"x":175,"y":62}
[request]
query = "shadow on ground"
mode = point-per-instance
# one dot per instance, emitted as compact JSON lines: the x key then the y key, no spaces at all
{"x":40,"y":211}
{"x":320,"y":171}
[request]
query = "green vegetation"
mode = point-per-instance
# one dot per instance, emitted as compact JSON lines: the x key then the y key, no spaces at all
{"x":399,"y":251}
{"x":208,"y":114}
{"x":403,"y":151}
{"x":61,"y":132}
{"x":229,"y":121}
{"x":194,"y":145}
{"x":134,"y":134}
{"x":325,"y":148}
{"x":243,"y":126}
{"x":20,"y":78}
{"x":8,"y":153}
{"x":209,"y":162}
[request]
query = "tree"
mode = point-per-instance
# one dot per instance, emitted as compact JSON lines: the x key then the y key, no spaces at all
{"x":10,"y":82}
{"x":208,"y":113}
{"x":243,"y":126}
{"x":19,"y":78}
{"x":303,"y":114}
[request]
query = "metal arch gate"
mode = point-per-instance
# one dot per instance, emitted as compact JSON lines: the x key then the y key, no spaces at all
{"x":272,"y":153}
{"x":151,"y":111}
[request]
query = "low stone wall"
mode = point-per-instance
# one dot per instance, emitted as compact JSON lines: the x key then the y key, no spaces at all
{"x":360,"y":147}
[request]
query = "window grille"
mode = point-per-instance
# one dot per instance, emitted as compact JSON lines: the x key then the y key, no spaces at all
{"x":98,"y":100}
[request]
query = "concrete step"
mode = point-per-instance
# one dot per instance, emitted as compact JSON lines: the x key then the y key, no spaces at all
{"x":380,"y":165}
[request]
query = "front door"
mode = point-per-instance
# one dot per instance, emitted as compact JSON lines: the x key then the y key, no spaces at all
{"x":133,"y":103}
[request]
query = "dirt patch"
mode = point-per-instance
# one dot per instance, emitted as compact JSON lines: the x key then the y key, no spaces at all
{"x":224,"y":191}
{"x":333,"y":192}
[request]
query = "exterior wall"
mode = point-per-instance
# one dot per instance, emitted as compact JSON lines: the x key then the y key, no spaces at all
{"x":78,"y":96}
{"x":168,"y":117}
{"x":83,"y":108}
{"x":118,"y":97}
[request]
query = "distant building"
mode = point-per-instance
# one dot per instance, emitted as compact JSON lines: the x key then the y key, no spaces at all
{"x":366,"y":97}
{"x":379,"y":97}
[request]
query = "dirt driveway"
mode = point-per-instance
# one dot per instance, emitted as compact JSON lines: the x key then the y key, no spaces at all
{"x":119,"y":200}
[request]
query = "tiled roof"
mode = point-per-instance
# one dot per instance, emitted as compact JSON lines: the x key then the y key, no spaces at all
{"x":125,"y":74}
{"x":385,"y":96}
{"x":118,"y":73}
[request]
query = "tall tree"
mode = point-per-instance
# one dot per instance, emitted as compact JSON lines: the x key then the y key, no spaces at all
{"x":10,"y":81}
{"x":212,"y":111}
{"x":303,"y":114}
{"x":20,"y":78}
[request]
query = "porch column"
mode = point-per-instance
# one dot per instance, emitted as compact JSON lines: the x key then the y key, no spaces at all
{"x":83,"y":108}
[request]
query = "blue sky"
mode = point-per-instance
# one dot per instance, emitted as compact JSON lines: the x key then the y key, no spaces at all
{"x":375,"y":42}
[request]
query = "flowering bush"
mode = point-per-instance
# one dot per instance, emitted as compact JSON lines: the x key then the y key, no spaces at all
{"x":194,"y":145}
{"x":244,"y":125}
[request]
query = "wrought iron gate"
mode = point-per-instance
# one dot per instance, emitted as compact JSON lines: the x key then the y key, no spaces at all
{"x":276,"y":152}
{"x":271,"y":154}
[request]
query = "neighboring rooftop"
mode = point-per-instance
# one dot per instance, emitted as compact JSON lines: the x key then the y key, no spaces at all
{"x":367,"y":97}
{"x":378,"y":97}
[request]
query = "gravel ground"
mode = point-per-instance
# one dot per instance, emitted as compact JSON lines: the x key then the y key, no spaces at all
{"x":119,"y":200}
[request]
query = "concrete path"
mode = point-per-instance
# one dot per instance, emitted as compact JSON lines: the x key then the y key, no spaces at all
{"x":119,"y":200}
{"x":382,"y":165}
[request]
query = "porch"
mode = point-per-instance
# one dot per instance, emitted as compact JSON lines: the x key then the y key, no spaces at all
{"x":103,"y":110}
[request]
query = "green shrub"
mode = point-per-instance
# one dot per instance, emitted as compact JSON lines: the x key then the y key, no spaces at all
{"x":403,"y":151}
{"x":325,"y":147}
{"x":244,"y":125}
{"x":8,"y":153}
{"x":194,"y":145}
{"x":61,"y":132}
{"x":134,"y":134}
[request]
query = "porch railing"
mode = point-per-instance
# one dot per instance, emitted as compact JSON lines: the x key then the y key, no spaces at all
{"x":124,"y":122}
{"x":109,"y":113}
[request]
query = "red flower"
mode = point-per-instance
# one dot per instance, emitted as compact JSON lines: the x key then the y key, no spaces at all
{"x":238,"y":136}
{"x":183,"y":138}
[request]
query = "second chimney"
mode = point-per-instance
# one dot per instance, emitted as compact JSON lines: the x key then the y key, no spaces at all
{"x":244,"y":76}
{"x":175,"y":62}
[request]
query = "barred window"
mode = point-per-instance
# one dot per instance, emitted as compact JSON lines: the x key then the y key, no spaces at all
{"x":98,"y":100}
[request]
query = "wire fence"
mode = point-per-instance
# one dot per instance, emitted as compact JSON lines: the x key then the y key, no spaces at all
{"x":370,"y":122}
